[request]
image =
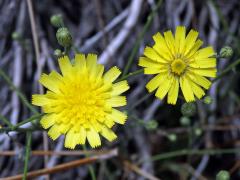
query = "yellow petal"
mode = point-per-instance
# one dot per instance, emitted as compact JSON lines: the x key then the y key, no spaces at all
{"x":92,"y":64}
{"x":186,"y":89}
{"x":118,"y":116}
{"x":208,"y":72}
{"x":180,"y":39}
{"x":173,"y":92}
{"x":204,"y":53}
{"x":161,"y":47}
{"x":96,"y":125}
{"x":93,"y":138}
{"x":117,"y":101}
{"x":64,"y":127}
{"x":40,"y":100}
{"x":152,"y":70}
{"x":49,"y":82}
{"x":80,"y":61}
{"x":70,"y":140}
{"x":146,"y":62}
{"x":204,"y":63}
{"x":170,"y":41}
{"x":82,"y":136}
{"x":153,"y":55}
{"x":54,"y":132}
{"x":105,"y":87}
{"x":109,"y":122}
{"x":119,"y":88}
{"x":112,"y":74}
{"x":199,"y":93}
{"x":65,"y":65}
{"x":56,"y":77}
{"x":108,"y":134}
{"x":202,"y":81}
{"x":155,"y":82}
{"x":99,"y":71}
{"x":164,"y":87}
{"x":190,"y":41}
{"x":47,"y":121}
{"x":189,"y":54}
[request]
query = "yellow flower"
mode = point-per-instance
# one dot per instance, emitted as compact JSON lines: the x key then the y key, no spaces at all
{"x":81,"y":102}
{"x":178,"y":60}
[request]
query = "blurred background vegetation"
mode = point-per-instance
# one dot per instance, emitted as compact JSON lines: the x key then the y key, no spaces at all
{"x":159,"y":141}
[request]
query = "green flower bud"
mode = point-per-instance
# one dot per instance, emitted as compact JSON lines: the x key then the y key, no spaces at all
{"x":226,"y":52}
{"x":151,"y":125}
{"x":223,"y":175}
{"x":16,"y":36}
{"x":64,"y":37}
{"x":208,"y":100}
{"x":58,"y":52}
{"x":188,"y":109}
{"x":172,"y":137}
{"x":198,"y":132}
{"x":185,"y":121}
{"x":57,"y":20}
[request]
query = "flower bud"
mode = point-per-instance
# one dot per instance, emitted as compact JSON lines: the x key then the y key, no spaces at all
{"x":208,"y":100}
{"x":188,"y":109}
{"x":58,"y":52}
{"x":185,"y":121}
{"x":64,"y":37}
{"x":57,"y":20}
{"x":151,"y":125}
{"x":226,"y":52}
{"x":198,"y":132}
{"x":16,"y":36}
{"x":223,"y":175}
{"x":172,"y":137}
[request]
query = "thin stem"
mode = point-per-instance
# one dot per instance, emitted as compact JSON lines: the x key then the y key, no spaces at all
{"x":90,"y":167}
{"x":17,"y":126}
{"x":19,"y":93}
{"x":134,"y":73}
{"x":31,"y":129}
{"x":28,"y":148}
{"x":221,"y":16}
{"x":34,"y":30}
{"x":227,"y":69}
{"x":140,"y":101}
{"x":6,"y":121}
{"x":184,"y":152}
{"x":140,"y":37}
{"x":32,"y":118}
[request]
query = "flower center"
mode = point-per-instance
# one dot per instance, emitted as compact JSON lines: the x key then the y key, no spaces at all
{"x":84,"y":104}
{"x":178,"y":66}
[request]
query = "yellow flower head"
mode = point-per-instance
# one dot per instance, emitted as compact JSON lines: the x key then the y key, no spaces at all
{"x":178,"y":60}
{"x":81,"y":102}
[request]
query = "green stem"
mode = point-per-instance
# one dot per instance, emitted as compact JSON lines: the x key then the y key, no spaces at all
{"x":90,"y":167}
{"x":221,"y":16}
{"x":6,"y":121}
{"x":226,"y":70}
{"x":140,"y":101}
{"x":32,"y":118}
{"x":184,"y":152}
{"x":31,"y":129}
{"x":28,"y":148}
{"x":134,"y":73}
{"x":140,"y":37}
{"x":19,"y":93}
